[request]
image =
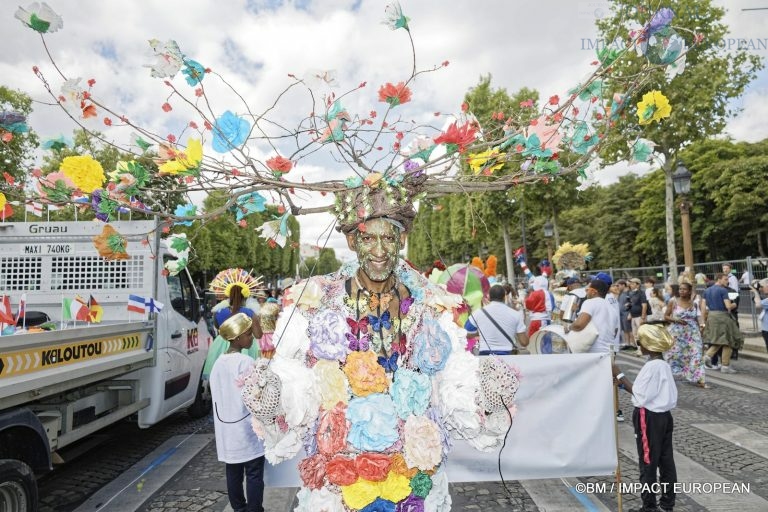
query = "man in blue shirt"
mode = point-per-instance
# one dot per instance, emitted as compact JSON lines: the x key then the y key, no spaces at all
{"x":721,"y":330}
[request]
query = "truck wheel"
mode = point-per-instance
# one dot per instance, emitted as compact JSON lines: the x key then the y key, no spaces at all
{"x":202,"y":405}
{"x":18,"y":488}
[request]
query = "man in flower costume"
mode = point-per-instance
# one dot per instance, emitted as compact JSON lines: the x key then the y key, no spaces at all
{"x":371,"y":376}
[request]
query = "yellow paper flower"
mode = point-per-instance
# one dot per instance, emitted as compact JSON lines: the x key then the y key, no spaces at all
{"x":187,"y":160}
{"x":85,"y":172}
{"x":3,"y":200}
{"x":486,"y":161}
{"x":360,"y":494}
{"x":653,"y":107}
{"x":395,"y":488}
{"x":332,"y":383}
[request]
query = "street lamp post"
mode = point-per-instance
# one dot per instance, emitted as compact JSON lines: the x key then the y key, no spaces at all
{"x":681,"y":179}
{"x":549,"y":232}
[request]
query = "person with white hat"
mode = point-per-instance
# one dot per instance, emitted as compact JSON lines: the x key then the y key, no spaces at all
{"x":654,"y":395}
{"x":237,"y":446}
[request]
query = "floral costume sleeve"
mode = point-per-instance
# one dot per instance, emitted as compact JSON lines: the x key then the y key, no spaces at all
{"x":375,"y":430}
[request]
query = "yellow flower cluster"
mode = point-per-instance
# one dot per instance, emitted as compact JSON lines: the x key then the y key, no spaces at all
{"x":486,"y":161}
{"x":395,"y":488}
{"x":188,"y":160}
{"x":85,"y":172}
{"x":653,"y":107}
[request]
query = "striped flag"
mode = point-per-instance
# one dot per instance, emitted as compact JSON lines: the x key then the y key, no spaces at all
{"x":137,"y":304}
{"x":34,"y":208}
{"x":95,"y":311}
{"x":75,"y":309}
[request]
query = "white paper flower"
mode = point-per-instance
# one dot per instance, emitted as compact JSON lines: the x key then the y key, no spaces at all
{"x":40,"y":17}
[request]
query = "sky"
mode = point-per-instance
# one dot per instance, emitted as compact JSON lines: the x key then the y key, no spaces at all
{"x":546,"y":45}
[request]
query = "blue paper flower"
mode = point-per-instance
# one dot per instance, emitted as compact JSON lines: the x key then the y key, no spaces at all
{"x":432,"y":346}
{"x":379,"y":505}
{"x":185,"y":210}
{"x":229,"y":132}
{"x":56,"y":144}
{"x":248,"y":204}
{"x":193,"y":71}
{"x":373,"y":422}
{"x":410,"y":392}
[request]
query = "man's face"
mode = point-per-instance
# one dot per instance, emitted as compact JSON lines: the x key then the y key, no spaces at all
{"x":726,"y":269}
{"x":377,"y":248}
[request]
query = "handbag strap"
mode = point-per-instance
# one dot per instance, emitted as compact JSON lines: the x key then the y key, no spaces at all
{"x":502,"y":331}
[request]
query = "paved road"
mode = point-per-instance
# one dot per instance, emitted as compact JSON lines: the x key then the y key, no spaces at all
{"x":721,"y":436}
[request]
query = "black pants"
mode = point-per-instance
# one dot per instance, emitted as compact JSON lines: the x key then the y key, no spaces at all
{"x":253,"y":498}
{"x":765,"y":338}
{"x":653,"y":435}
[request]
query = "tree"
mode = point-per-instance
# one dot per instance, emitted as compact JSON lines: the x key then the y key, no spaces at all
{"x":17,"y":148}
{"x":700,"y":96}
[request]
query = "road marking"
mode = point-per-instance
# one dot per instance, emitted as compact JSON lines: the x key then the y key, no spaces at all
{"x":560,"y":495}
{"x":689,"y":470}
{"x":740,"y":436}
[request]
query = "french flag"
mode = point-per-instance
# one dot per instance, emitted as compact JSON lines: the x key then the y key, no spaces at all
{"x":22,"y":309}
{"x":137,"y":304}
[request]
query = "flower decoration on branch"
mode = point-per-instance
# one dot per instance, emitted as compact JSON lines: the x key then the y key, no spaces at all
{"x":653,"y":107}
{"x":393,"y":161}
{"x":395,"y":94}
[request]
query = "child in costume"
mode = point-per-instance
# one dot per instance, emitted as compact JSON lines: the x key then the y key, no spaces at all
{"x":654,"y":395}
{"x":236,"y":444}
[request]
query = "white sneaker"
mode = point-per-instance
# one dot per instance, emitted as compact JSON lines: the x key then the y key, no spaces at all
{"x":727,"y":369}
{"x":708,"y":362}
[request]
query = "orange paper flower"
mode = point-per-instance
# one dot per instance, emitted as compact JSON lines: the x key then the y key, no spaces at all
{"x":279,"y":164}
{"x":341,"y":471}
{"x":373,"y":466}
{"x":365,"y":374}
{"x":394,"y":94}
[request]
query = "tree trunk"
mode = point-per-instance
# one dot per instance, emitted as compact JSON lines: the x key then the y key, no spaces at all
{"x":508,"y":256}
{"x":669,"y":211}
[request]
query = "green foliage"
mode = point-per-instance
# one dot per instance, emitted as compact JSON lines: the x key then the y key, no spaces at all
{"x":16,"y":155}
{"x":221,"y":243}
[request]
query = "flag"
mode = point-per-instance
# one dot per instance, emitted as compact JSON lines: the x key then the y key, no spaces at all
{"x":136,"y":304}
{"x":34,"y":208}
{"x":95,"y":311}
{"x":22,"y":308}
{"x":75,"y":309}
{"x":6,"y":317}
{"x":153,"y":305}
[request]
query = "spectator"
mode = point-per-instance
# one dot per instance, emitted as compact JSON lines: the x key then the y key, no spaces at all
{"x":637,"y":308}
{"x":497,"y":324}
{"x":237,"y":446}
{"x":649,"y":284}
{"x":654,"y":395}
{"x":625,"y":320}
{"x":721,"y":330}
{"x":746,"y":278}
{"x":656,"y":305}
{"x":684,"y":357}
{"x":733,"y":282}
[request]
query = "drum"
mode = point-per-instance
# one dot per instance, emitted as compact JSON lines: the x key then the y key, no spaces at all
{"x":550,"y":339}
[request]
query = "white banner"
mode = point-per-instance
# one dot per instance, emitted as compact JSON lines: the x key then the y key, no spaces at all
{"x":564,"y":426}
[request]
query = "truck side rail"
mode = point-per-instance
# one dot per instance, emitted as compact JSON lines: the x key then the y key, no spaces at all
{"x":37,"y":365}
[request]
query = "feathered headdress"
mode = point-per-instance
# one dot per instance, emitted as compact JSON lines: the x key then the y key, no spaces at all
{"x":569,"y":256}
{"x":224,"y":281}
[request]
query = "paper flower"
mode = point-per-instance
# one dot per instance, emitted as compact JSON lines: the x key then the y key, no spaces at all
{"x":57,"y":187}
{"x":104,"y":207}
{"x":178,"y":245}
{"x":394,"y":94}
{"x":193,"y":71}
{"x":332,"y":430}
{"x":111,"y":244}
{"x":421,"y":147}
{"x":341,"y":471}
{"x":394,"y":18}
{"x":548,"y":133}
{"x":373,"y":422}
{"x":276,"y":230}
{"x":410,"y":392}
{"x":175,"y":266}
{"x":185,"y":210}
{"x":653,"y":107}
{"x":326,"y":335}
{"x":168,"y":58}
{"x":312,"y":471}
{"x":56,"y":144}
{"x":582,"y":139}
{"x":14,"y":122}
{"x":486,"y":161}
{"x":185,"y":162}
{"x":592,"y":89}
{"x":306,"y":295}
{"x":229,"y":132}
{"x":364,"y":373}
{"x":337,"y":118}
{"x":40,"y":18}
{"x":331,"y":383}
{"x":316,"y":77}
{"x":457,"y":137}
{"x":641,"y":150}
{"x":129,"y":176}
{"x":248,"y":204}
{"x":662,"y":47}
{"x":139,"y":142}
{"x":279,"y":165}
{"x":431,"y":347}
{"x":6,"y":210}
{"x":660,"y":19}
{"x":85,"y":172}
